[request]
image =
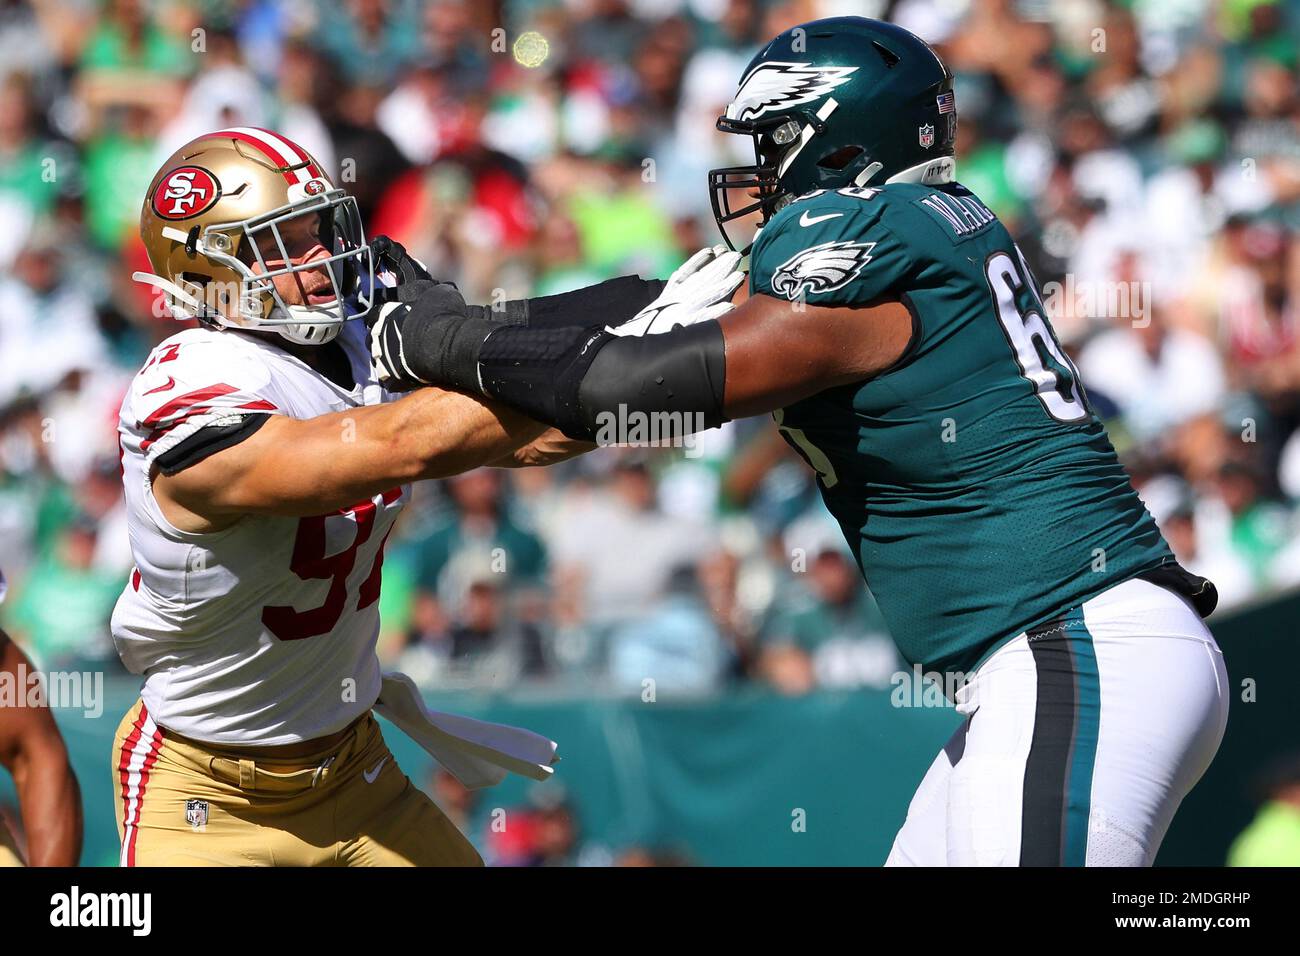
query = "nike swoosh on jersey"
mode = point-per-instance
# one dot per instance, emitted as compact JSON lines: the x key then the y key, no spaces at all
{"x":170,"y":383}
{"x":805,"y":220}
{"x":373,"y":772}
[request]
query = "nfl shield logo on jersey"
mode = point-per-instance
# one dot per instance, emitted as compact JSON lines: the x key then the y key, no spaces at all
{"x":196,"y":813}
{"x":926,"y":136}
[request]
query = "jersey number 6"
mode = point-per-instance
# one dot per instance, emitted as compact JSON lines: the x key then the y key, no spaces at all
{"x":1059,"y":391}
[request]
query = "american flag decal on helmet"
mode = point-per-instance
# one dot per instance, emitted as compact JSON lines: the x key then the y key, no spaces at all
{"x":947,"y":102}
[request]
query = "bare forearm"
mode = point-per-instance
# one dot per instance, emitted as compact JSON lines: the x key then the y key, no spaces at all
{"x":461,"y":433}
{"x":551,"y":447}
{"x":307,"y":467}
{"x":33,"y":752}
{"x":51,"y":805}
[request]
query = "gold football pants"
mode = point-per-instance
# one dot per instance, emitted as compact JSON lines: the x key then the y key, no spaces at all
{"x":8,"y":852}
{"x":181,"y":802}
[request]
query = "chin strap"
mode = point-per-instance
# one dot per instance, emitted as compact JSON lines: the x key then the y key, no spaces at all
{"x":291,"y":324}
{"x":308,"y":333}
{"x":176,"y":292}
{"x":303,"y":330}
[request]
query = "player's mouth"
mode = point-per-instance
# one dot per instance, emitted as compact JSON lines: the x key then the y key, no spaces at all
{"x":322,"y":297}
{"x":316,"y":289}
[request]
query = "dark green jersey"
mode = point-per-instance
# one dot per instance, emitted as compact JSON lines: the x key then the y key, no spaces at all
{"x":978,"y":489}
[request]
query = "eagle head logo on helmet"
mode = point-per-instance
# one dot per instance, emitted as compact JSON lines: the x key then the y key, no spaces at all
{"x":833,"y":103}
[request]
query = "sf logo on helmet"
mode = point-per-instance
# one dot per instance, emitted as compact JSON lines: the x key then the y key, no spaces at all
{"x":186,"y":192}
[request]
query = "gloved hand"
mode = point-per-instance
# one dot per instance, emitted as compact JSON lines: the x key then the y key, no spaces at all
{"x":386,"y":358}
{"x":391,"y":257}
{"x":402,"y":277}
{"x":415,"y":301}
{"x":700,"y":290}
{"x":429,"y":320}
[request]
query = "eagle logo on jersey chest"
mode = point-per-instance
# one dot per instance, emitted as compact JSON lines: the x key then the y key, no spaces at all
{"x":821,"y":268}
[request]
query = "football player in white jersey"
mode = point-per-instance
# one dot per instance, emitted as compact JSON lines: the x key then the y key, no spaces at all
{"x":263,"y":469}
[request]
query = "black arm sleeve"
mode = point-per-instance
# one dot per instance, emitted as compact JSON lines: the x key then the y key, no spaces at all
{"x":442,"y":339}
{"x":585,"y":381}
{"x":208,"y":441}
{"x":612,"y":302}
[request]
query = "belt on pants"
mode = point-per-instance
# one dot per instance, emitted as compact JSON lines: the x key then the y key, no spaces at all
{"x":245,"y":773}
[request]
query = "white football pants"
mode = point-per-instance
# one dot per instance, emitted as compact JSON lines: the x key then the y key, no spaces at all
{"x":1081,"y":739}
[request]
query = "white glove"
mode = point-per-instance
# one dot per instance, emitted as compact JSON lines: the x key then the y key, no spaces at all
{"x":698,"y":291}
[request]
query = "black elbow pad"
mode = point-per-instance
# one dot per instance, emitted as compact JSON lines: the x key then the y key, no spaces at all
{"x":539,"y":371}
{"x":575,"y":378}
{"x":682,"y":372}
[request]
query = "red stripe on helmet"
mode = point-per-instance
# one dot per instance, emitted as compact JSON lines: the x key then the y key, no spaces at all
{"x":302,"y":154}
{"x":267,"y":150}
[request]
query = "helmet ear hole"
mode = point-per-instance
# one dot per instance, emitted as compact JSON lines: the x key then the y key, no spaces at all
{"x":196,"y":284}
{"x":840,"y":158}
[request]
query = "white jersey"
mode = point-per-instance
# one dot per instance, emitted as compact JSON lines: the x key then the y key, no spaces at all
{"x":262,"y":633}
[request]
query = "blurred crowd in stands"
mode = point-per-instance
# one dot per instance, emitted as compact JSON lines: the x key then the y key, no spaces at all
{"x":1146,"y":154}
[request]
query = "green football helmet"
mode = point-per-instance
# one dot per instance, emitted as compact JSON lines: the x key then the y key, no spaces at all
{"x":834,"y":103}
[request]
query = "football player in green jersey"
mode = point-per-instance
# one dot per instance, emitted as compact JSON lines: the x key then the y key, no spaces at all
{"x":894,"y":331}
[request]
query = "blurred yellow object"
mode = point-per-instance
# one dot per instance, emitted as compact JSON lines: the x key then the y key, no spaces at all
{"x":531,"y":49}
{"x":1272,"y":839}
{"x":8,"y":852}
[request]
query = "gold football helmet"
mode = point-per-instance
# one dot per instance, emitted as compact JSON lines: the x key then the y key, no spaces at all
{"x":219,"y":221}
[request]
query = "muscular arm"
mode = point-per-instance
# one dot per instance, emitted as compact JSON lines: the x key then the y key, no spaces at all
{"x":757,"y":358}
{"x":777,"y":354}
{"x":48,"y":795}
{"x":760,"y":357}
{"x":300,"y":467}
